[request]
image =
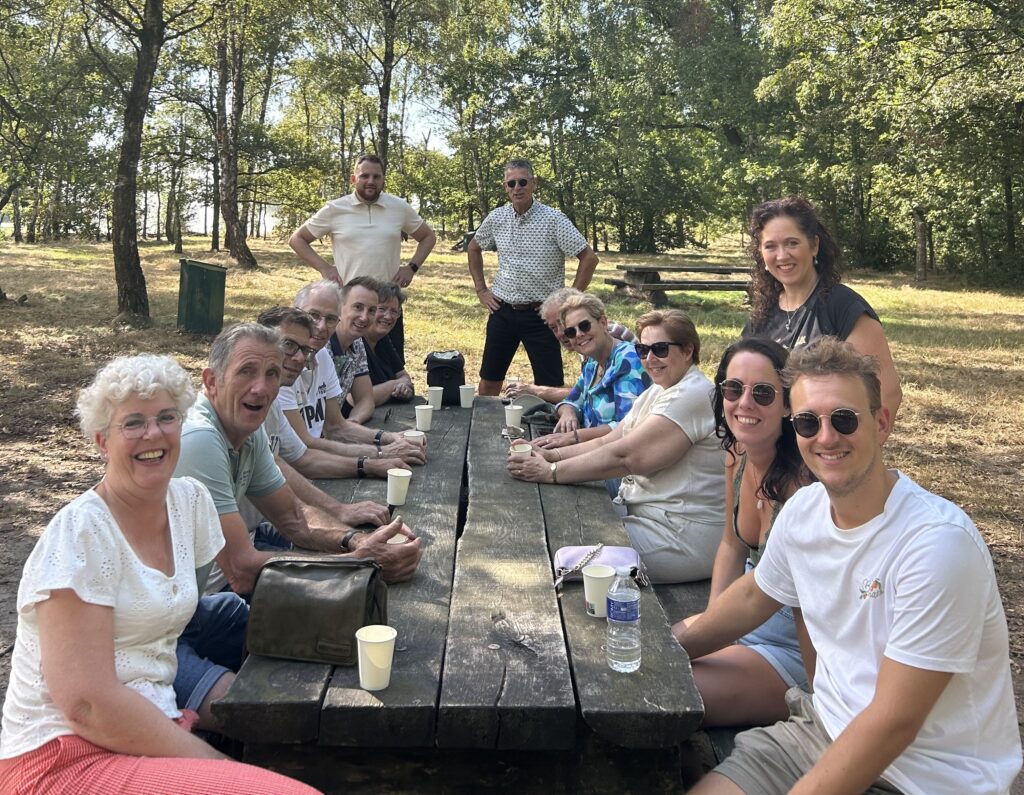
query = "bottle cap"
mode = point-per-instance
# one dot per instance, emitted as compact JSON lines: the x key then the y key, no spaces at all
{"x":624,"y":571}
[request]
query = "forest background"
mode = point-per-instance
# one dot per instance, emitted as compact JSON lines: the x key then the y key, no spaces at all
{"x":653,"y":124}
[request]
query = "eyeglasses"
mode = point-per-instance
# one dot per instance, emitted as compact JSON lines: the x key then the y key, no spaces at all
{"x":291,"y":347}
{"x":733,"y":389}
{"x":135,"y":425}
{"x":580,"y":328}
{"x":659,"y":349}
{"x":808,"y":424}
{"x":330,"y":320}
{"x":517,"y":183}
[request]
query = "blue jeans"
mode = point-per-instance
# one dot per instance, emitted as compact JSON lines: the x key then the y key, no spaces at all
{"x":211,"y":645}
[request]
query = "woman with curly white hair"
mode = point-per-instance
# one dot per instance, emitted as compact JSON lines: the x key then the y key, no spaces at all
{"x":103,"y":597}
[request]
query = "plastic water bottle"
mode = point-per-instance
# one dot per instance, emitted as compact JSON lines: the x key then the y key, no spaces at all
{"x":623,"y":643}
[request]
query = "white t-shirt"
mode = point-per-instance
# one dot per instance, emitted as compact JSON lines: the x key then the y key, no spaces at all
{"x":693,"y":485}
{"x":915,"y":584}
{"x":83,"y":549}
{"x":311,"y":391}
{"x":366,"y":238}
{"x":284,"y":441}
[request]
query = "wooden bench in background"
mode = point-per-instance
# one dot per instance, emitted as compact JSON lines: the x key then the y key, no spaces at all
{"x":645,"y":279}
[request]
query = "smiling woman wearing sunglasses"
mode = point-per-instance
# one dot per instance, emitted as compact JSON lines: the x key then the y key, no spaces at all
{"x":665,"y":451}
{"x":745,"y":684}
{"x":612,"y":378}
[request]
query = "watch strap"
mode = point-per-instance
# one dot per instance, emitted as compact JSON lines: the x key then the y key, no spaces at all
{"x":361,"y":467}
{"x":346,"y":540}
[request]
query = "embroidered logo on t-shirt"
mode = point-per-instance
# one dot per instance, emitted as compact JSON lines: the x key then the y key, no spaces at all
{"x":870,"y":589}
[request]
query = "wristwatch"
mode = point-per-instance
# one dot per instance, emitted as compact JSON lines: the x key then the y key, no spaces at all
{"x":414,"y":265}
{"x":361,"y":467}
{"x":554,"y":471}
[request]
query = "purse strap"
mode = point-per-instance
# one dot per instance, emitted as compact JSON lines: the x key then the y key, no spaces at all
{"x":563,"y":573}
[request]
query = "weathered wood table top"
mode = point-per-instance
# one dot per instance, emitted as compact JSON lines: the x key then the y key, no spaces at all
{"x":488,"y":657}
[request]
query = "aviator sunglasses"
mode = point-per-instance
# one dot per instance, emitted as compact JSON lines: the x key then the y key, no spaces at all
{"x":807,"y":424}
{"x":582,"y":328}
{"x":659,"y":349}
{"x":517,"y":183}
{"x":733,"y":389}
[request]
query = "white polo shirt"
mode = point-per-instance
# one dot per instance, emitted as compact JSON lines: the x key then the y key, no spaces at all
{"x":366,"y":238}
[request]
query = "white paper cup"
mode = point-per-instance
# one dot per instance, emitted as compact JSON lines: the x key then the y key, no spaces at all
{"x":521,"y":450}
{"x":597,"y":579}
{"x":376,"y":644}
{"x":513,"y":416}
{"x":434,"y":395}
{"x":416,"y":436}
{"x":424,"y":415}
{"x":466,"y":394}
{"x":398,"y":485}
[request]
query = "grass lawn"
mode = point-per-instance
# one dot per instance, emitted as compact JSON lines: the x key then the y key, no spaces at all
{"x":959,"y":432}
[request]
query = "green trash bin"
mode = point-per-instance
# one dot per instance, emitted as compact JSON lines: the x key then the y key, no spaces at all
{"x":201,"y":297}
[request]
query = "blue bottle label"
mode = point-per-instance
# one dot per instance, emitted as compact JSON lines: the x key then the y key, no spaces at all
{"x":624,"y":611}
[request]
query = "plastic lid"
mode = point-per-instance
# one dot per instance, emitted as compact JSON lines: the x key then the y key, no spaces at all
{"x":624,"y":571}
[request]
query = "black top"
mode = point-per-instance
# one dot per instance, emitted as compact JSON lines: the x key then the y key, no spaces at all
{"x":834,"y":316}
{"x":383,"y":361}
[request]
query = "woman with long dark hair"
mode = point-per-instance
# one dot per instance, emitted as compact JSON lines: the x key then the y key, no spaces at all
{"x":745,"y":684}
{"x":795,"y":290}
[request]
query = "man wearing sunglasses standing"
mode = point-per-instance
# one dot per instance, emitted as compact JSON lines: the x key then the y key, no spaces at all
{"x":533,"y":242}
{"x":902,"y":628}
{"x":366,"y":229}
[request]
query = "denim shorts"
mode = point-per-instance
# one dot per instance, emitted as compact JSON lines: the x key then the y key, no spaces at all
{"x":776,"y":641}
{"x":211,"y":645}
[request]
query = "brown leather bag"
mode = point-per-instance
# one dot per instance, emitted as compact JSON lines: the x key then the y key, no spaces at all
{"x":308,"y":607}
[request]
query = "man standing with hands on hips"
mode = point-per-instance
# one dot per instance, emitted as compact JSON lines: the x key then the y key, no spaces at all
{"x":366,"y":228}
{"x":533,"y":242}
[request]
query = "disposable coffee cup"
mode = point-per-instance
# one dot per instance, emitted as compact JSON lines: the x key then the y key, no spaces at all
{"x":416,"y":436}
{"x":398,"y":486}
{"x":434,"y":395}
{"x":521,"y":450}
{"x":424,"y":415}
{"x":597,"y":579}
{"x":513,"y":416}
{"x":466,"y":394}
{"x":376,"y":644}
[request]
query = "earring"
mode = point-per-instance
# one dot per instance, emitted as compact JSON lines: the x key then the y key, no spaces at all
{"x":814,"y":260}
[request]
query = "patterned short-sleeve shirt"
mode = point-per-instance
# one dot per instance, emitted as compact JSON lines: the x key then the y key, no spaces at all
{"x":532,"y":249}
{"x":348,"y":364}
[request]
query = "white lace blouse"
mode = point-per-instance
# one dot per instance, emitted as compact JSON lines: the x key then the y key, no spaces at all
{"x":83,"y":549}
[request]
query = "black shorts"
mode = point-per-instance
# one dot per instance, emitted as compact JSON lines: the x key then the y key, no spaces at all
{"x":508,"y":327}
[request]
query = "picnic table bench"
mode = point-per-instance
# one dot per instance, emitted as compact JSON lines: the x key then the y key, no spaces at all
{"x":498,"y":681}
{"x":645,"y":279}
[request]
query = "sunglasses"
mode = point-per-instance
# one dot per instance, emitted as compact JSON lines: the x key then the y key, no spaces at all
{"x":733,"y":389}
{"x":807,"y":424}
{"x":517,"y":183}
{"x":659,"y":349}
{"x":580,"y":328}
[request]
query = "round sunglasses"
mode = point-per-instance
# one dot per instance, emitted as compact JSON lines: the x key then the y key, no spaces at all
{"x":659,"y":349}
{"x":580,"y":328}
{"x":514,"y":183}
{"x":733,"y":389}
{"x":807,"y":424}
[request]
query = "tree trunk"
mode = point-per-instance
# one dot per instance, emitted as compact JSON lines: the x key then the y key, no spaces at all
{"x":387,"y":66}
{"x":921,"y":235}
{"x":33,"y":218}
{"x":1011,"y":218}
{"x":931,"y":248}
{"x":227,"y":140}
{"x":132,"y":299}
{"x":16,"y":212}
{"x":982,"y":244}
{"x":215,"y":209}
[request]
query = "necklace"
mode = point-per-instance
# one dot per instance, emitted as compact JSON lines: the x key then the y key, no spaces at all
{"x":790,"y":302}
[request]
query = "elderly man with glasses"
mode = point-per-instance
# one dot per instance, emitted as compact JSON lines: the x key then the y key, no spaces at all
{"x":533,"y":242}
{"x":311,"y":404}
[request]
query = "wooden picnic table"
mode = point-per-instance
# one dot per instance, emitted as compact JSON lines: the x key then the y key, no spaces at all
{"x":646,"y":279}
{"x":497,"y":680}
